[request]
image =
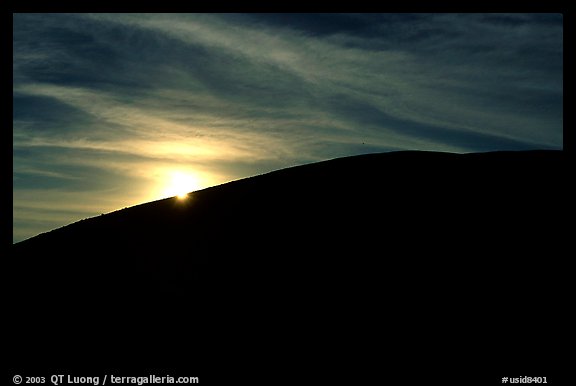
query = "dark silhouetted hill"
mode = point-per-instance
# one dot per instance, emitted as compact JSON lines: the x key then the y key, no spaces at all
{"x":356,"y":210}
{"x":402,"y":237}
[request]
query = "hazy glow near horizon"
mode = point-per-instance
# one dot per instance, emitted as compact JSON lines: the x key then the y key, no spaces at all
{"x":114,"y":110}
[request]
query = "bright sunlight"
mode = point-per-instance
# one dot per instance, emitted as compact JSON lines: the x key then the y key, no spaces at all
{"x":180,"y":184}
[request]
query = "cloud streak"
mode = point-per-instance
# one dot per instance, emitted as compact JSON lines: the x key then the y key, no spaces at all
{"x":226,"y":96}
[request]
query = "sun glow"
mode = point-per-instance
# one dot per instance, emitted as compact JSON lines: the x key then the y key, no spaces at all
{"x":180,"y":184}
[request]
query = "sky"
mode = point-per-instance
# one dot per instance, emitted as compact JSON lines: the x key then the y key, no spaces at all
{"x":114,"y":110}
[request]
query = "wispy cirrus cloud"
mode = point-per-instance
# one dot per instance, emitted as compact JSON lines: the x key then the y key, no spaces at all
{"x":129,"y":97}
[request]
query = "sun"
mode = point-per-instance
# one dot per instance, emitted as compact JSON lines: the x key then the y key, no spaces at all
{"x":179,"y":184}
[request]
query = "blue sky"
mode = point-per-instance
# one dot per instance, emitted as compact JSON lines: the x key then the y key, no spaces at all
{"x":112,"y":110}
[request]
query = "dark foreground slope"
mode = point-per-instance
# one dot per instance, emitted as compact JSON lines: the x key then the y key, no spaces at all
{"x":445,"y":238}
{"x":357,"y":210}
